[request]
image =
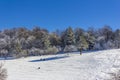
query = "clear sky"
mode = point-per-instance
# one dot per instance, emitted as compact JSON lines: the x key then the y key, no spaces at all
{"x":59,"y":14}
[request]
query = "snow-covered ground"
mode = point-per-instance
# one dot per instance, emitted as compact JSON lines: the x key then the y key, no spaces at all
{"x":90,"y":66}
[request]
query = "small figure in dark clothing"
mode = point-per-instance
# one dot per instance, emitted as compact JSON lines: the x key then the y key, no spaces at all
{"x":80,"y":49}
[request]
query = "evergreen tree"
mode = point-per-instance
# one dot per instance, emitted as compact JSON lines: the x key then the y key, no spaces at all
{"x":107,"y":32}
{"x":69,"y":36}
{"x":80,"y":39}
{"x":90,"y":37}
{"x":45,"y":41}
{"x":105,"y":38}
{"x":54,"y":39}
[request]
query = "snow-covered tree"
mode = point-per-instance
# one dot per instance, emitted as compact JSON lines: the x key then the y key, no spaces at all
{"x":80,"y":40}
{"x":3,"y":43}
{"x":22,"y":40}
{"x":90,"y":37}
{"x":69,"y":36}
{"x":54,"y":39}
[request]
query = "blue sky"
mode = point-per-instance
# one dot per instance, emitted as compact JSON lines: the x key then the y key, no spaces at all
{"x":59,"y":14}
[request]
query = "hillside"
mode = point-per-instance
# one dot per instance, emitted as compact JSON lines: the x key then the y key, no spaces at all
{"x":97,"y":65}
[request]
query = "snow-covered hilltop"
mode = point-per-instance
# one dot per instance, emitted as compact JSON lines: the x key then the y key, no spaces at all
{"x":99,"y":65}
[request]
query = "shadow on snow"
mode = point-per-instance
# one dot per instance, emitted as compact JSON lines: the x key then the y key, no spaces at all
{"x":8,"y":58}
{"x":49,"y":59}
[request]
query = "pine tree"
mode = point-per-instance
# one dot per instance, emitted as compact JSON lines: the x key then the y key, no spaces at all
{"x":54,"y":39}
{"x":69,"y":36}
{"x":81,"y":43}
{"x":90,"y":37}
{"x":45,"y":40}
{"x":80,"y":39}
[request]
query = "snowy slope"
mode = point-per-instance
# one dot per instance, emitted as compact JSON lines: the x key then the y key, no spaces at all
{"x":89,"y":66}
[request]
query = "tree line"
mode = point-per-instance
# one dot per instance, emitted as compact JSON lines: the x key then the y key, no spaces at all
{"x":21,"y":41}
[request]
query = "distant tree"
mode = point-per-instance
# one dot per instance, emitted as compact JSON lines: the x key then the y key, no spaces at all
{"x":10,"y":32}
{"x":54,"y":39}
{"x":69,"y":36}
{"x":78,"y":33}
{"x":117,"y":38}
{"x":37,"y":32}
{"x":90,"y":37}
{"x":4,"y":53}
{"x":45,"y":41}
{"x":105,"y":38}
{"x":23,"y":43}
{"x":82,"y":43}
{"x":18,"y":46}
{"x":80,"y":39}
{"x":107,"y":32}
{"x":30,"y":42}
{"x":99,"y":43}
{"x":3,"y":43}
{"x":41,"y":38}
{"x":62,"y":37}
{"x":22,"y":33}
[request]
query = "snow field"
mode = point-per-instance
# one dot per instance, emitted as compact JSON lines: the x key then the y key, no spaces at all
{"x":98,"y":65}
